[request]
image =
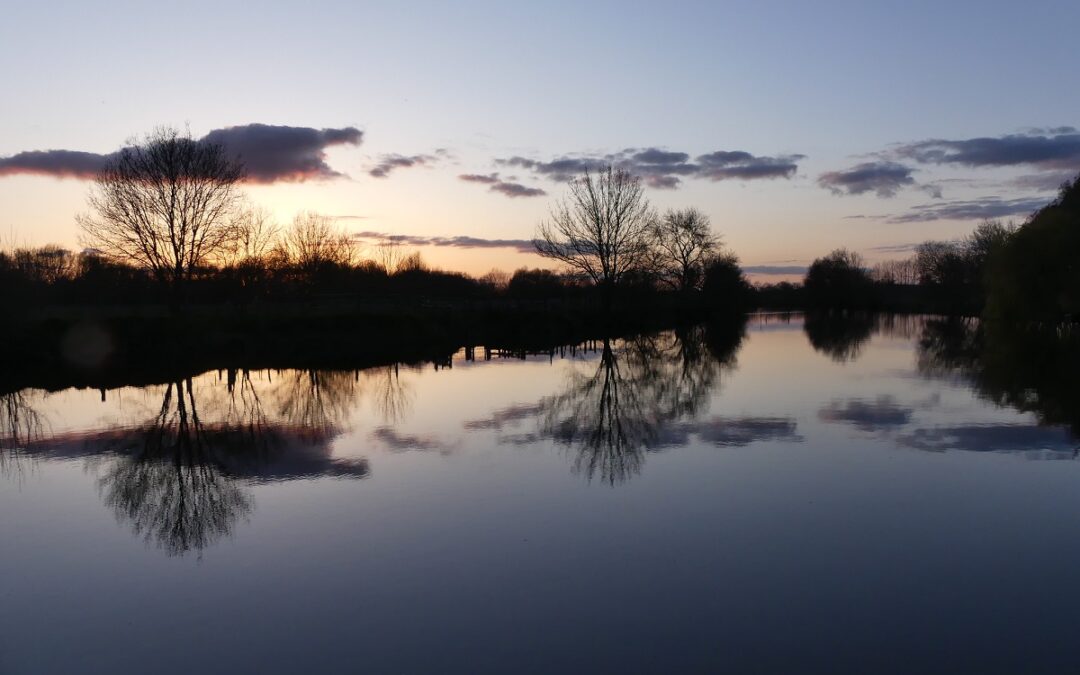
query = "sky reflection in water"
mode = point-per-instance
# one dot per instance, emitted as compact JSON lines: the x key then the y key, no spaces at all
{"x":840,"y":492}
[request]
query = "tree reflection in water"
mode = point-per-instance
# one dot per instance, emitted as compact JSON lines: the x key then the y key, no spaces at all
{"x":317,"y":402}
{"x":839,"y":335}
{"x":170,"y":484}
{"x":21,"y":428}
{"x":179,"y":479}
{"x":392,"y":396}
{"x":609,"y":416}
{"x":1030,"y":368}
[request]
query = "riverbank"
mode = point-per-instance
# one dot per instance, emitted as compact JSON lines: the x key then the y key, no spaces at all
{"x":104,"y":346}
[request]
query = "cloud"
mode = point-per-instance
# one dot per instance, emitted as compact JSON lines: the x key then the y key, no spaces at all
{"x":562,"y":169}
{"x":496,"y":184}
{"x":1045,"y":149}
{"x":1043,"y":182}
{"x":510,"y":416}
{"x":274,"y":154}
{"x":489,"y":179}
{"x":895,"y":248}
{"x":398,"y":442}
{"x":460,"y":241}
{"x":883,"y":178}
{"x":269,"y":153}
{"x":977,"y":209}
{"x":742,"y":431}
{"x":774,"y":269}
{"x":744,"y":166}
{"x":664,"y":169}
{"x":882,"y":414}
{"x":517,"y":190}
{"x":992,"y":438}
{"x":390,"y":162}
{"x":56,"y":163}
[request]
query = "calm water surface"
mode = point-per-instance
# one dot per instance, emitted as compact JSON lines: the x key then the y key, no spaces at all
{"x":838,"y":495}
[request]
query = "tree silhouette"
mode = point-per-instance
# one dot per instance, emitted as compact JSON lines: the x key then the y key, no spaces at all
{"x":602,"y":230}
{"x":838,"y":280}
{"x":165,"y":204}
{"x":684,"y":246}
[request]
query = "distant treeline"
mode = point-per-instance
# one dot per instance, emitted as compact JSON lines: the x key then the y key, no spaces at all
{"x":32,"y":278}
{"x":1001,"y":271}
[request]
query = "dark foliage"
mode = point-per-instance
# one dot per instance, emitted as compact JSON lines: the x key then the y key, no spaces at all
{"x":1035,"y":274}
{"x":838,"y":280}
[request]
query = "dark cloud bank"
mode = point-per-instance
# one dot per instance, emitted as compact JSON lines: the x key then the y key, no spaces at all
{"x":270,"y":154}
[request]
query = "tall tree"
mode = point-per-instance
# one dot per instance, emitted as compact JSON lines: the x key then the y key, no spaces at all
{"x":602,"y":230}
{"x":166,"y":204}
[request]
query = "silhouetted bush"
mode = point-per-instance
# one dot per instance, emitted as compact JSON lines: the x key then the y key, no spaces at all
{"x":725,"y":285}
{"x":838,"y":280}
{"x":535,"y":284}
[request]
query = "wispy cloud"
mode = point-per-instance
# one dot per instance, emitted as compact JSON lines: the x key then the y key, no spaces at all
{"x":461,"y":241}
{"x":876,"y":415}
{"x":992,"y":438}
{"x":895,"y":248}
{"x":393,"y":161}
{"x":1045,"y":149}
{"x":396,"y":441}
{"x":774,"y":270}
{"x":975,"y":209}
{"x":505,"y":187}
{"x":270,"y":154}
{"x":1050,"y":181}
{"x":664,"y":169}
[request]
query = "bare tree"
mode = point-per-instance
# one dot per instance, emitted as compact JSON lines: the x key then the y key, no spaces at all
{"x":256,"y":235}
{"x":165,"y":204}
{"x":314,"y":243}
{"x":685,"y":244}
{"x":389,"y":254}
{"x":602,"y":230}
{"x":901,"y":272}
{"x":495,"y":279}
{"x":414,"y":262}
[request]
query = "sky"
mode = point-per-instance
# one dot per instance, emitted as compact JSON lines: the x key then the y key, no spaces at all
{"x":796,"y":127}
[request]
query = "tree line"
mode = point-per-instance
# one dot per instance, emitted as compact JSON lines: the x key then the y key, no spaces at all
{"x":999,"y":270}
{"x":169,"y":222}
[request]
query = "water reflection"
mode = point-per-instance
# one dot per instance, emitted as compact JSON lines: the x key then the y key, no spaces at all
{"x":170,"y":483}
{"x":642,"y":395}
{"x":21,"y":428}
{"x":176,"y":477}
{"x":1032,"y":369}
{"x":180,"y":470}
{"x":178,"y":474}
{"x":839,"y":335}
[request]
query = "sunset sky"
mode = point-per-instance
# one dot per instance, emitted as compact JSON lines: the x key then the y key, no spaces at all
{"x":797,"y":127}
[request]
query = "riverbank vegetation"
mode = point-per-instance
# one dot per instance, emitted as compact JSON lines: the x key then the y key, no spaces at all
{"x":175,"y":250}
